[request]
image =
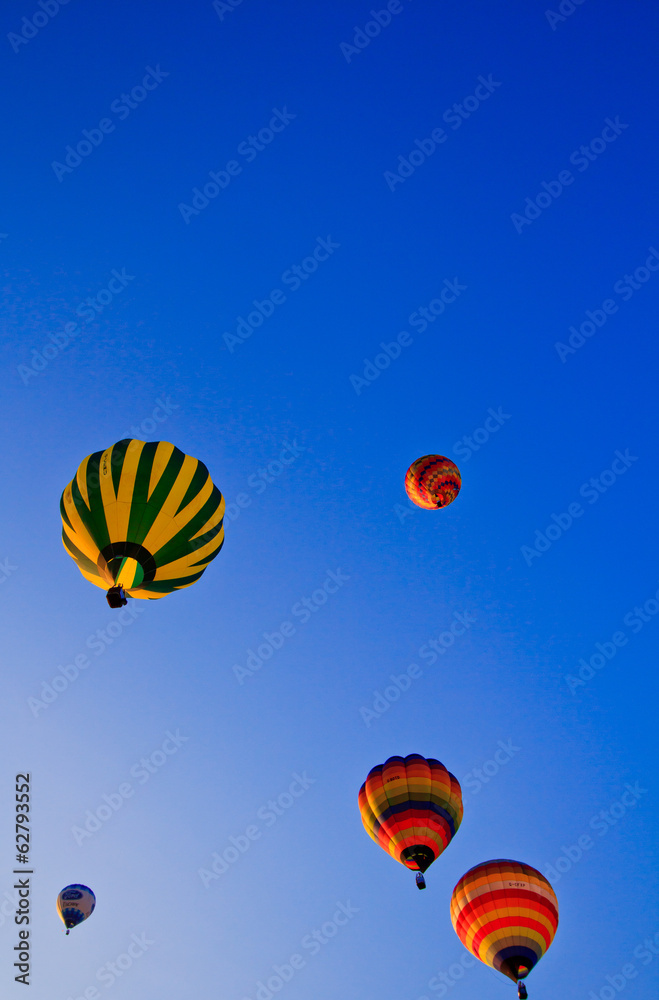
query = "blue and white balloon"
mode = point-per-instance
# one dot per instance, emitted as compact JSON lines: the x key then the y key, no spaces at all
{"x":74,"y":904}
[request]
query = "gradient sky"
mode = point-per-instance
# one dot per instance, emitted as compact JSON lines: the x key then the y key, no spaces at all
{"x":163,"y":340}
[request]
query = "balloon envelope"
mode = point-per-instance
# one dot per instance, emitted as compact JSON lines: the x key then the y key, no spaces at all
{"x":74,"y":904}
{"x":506,"y":914}
{"x":433,"y":481}
{"x":144,"y":517}
{"x":412,"y":808}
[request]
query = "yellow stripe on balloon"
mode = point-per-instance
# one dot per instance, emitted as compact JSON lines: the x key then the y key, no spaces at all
{"x":127,"y":573}
{"x":81,"y":479}
{"x":165,"y":526}
{"x":162,"y":456}
{"x":493,"y":944}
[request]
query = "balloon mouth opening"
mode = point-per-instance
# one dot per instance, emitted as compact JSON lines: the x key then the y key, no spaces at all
{"x":515,"y":967}
{"x":419,"y":857}
{"x":522,"y":970}
{"x":127,"y":565}
{"x":446,"y":496}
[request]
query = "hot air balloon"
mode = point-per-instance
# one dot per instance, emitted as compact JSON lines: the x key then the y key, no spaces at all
{"x":506,"y":914}
{"x":142,"y":520}
{"x":412,"y":808}
{"x":433,"y":481}
{"x":74,"y":904}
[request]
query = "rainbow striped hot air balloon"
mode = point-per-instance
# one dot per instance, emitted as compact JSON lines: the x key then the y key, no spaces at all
{"x":142,"y":519}
{"x":506,"y":914}
{"x":412,"y":808}
{"x":433,"y":481}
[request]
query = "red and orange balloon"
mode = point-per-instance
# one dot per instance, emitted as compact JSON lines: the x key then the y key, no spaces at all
{"x":412,"y":808}
{"x":506,"y":914}
{"x":433,"y":481}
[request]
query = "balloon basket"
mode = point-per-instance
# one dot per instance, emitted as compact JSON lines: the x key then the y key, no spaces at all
{"x":116,"y":597}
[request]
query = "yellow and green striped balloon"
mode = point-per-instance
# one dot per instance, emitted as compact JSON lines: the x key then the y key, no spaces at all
{"x":144,"y":517}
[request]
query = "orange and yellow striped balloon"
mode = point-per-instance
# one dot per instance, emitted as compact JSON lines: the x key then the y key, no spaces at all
{"x":412,"y":808}
{"x":433,"y":481}
{"x":506,"y":914}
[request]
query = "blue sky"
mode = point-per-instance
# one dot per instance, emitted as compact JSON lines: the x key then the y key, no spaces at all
{"x":529,"y":237}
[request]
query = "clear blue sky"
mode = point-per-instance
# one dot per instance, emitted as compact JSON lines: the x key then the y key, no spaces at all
{"x":168,"y":287}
